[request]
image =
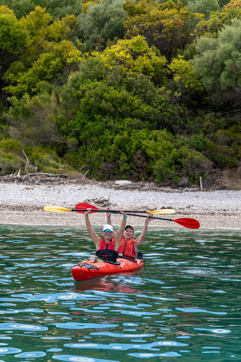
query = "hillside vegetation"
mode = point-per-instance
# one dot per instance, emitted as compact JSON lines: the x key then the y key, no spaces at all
{"x":144,"y":90}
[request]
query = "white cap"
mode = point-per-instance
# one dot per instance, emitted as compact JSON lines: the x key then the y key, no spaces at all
{"x":107,"y":227}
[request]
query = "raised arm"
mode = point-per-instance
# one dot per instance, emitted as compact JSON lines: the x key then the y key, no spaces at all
{"x":121,"y":230}
{"x":94,"y":237}
{"x":108,"y":221}
{"x":108,"y":217}
{"x":140,"y":238}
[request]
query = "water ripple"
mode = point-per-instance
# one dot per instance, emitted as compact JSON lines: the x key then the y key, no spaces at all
{"x":184,"y":303}
{"x":21,"y":327}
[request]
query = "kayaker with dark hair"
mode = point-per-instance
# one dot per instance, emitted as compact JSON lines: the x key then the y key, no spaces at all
{"x":128,"y":246}
{"x":107,"y":245}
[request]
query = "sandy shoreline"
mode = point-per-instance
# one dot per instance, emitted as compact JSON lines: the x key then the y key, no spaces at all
{"x":22,"y":204}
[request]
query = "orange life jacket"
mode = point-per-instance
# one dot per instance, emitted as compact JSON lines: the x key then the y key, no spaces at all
{"x":127,"y":248}
{"x":104,"y":245}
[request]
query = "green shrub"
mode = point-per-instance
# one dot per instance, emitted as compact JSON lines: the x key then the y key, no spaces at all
{"x":10,"y":162}
{"x":198,"y":142}
{"x":223,"y":156}
{"x":211,"y":123}
{"x":223,"y":151}
{"x":10,"y":145}
{"x":162,"y":153}
{"x":193,"y":163}
{"x":223,"y":138}
{"x":33,"y":120}
{"x":46,"y":160}
{"x":203,"y":6}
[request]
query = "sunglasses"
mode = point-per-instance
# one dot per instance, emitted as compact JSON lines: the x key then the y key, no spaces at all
{"x":107,"y":231}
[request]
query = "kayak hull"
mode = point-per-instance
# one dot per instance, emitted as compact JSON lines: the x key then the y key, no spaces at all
{"x":88,"y":270}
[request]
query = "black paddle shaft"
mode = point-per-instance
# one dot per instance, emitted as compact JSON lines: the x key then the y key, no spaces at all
{"x":153,"y":217}
{"x":127,"y":212}
{"x":113,"y":211}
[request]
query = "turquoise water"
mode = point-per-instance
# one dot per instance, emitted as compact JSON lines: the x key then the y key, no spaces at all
{"x":183,"y":305}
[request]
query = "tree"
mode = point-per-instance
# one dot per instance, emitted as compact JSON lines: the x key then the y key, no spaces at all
{"x":14,"y":38}
{"x":32,"y":120}
{"x":135,"y":56}
{"x":102,"y":22}
{"x":218,"y":61}
{"x":218,"y":64}
{"x":62,"y":8}
{"x":185,"y":83}
{"x":217,"y":20}
{"x":64,"y":29}
{"x":203,"y":6}
{"x":57,"y":8}
{"x":167,"y":25}
{"x":184,"y":75}
{"x":51,"y":66}
{"x":49,"y":57}
{"x":13,"y":34}
{"x":233,"y":4}
{"x":20,"y":7}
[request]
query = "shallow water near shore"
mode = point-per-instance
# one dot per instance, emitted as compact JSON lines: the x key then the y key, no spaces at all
{"x":183,"y":305}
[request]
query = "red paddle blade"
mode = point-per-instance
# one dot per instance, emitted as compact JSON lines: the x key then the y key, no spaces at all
{"x":85,"y":206}
{"x":188,"y":223}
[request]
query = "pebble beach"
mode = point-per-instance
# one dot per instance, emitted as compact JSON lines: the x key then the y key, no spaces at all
{"x":23,"y":204}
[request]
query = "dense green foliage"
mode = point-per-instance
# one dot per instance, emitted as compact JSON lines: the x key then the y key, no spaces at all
{"x":225,"y":52}
{"x":133,"y":89}
{"x":203,"y":6}
{"x":102,"y":22}
{"x":57,"y":8}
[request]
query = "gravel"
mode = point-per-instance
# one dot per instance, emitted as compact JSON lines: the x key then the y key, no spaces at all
{"x":23,"y":204}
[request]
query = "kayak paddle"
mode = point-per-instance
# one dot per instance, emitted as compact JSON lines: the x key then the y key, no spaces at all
{"x":82,"y":207}
{"x":185,"y":221}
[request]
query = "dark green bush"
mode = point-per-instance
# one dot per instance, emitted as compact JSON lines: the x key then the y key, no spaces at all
{"x":193,"y":164}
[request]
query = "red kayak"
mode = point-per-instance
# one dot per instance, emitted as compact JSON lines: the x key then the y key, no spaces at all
{"x":88,"y":270}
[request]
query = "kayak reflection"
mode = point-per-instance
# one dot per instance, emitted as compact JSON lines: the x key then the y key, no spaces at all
{"x":109,"y":283}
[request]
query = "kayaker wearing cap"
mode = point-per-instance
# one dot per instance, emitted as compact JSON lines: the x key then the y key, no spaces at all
{"x":128,"y":246}
{"x":107,"y":245}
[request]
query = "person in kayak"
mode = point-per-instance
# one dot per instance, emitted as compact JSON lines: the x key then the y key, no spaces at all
{"x":107,"y":245}
{"x":129,"y":245}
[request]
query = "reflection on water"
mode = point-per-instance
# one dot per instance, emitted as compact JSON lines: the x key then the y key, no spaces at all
{"x":184,"y":304}
{"x":110,"y":283}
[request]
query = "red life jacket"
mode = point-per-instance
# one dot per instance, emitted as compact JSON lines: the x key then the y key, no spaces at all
{"x":104,"y":245}
{"x":127,"y":248}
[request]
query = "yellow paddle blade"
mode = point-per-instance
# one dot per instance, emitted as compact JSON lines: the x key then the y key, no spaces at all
{"x":56,"y":208}
{"x":162,"y":211}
